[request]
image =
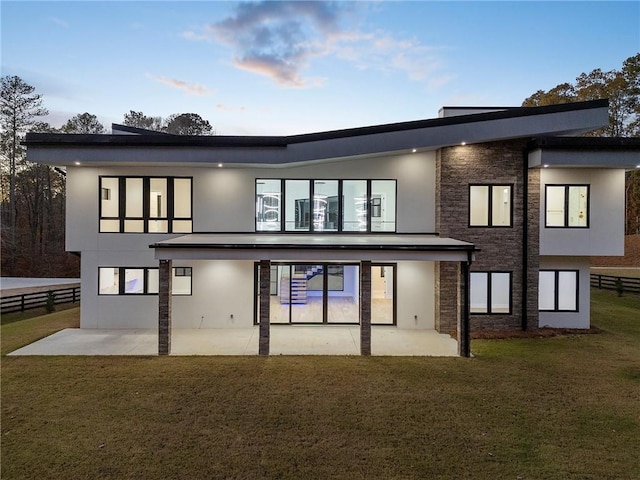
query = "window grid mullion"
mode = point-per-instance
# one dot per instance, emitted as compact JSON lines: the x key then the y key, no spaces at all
{"x":146,"y":203}
{"x":122,"y":201}
{"x":368,"y":205}
{"x":171,"y":204}
{"x":340,"y":206}
{"x":312,"y":204}
{"x":283,"y":203}
{"x":489,"y":309}
{"x":121,"y":281}
{"x":566,"y":205}
{"x":490,"y":206}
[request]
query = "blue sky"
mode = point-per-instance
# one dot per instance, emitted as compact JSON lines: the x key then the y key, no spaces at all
{"x":280,"y":68}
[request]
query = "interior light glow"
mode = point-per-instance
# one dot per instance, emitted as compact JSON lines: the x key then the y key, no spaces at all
{"x":219,"y":165}
{"x":463,"y":143}
{"x":414,"y":150}
{"x":77,"y":163}
{"x":546,"y":165}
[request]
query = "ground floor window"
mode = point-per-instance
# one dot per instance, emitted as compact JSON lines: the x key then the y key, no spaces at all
{"x":140,"y":281}
{"x":490,"y":292}
{"x":326,"y":293}
{"x":558,"y":291}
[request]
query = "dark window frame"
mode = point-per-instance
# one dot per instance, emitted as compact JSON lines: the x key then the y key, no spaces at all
{"x":339,"y":229}
{"x":256,"y":296}
{"x":145,"y":293}
{"x":490,"y":205}
{"x":146,"y":199}
{"x":566,"y":204}
{"x":555,"y":289}
{"x":489,"y":284}
{"x":182,"y":271}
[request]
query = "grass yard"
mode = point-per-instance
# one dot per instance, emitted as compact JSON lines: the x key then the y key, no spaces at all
{"x":550,"y":408}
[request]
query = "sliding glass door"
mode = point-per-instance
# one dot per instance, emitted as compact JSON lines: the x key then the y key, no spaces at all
{"x":327,"y":293}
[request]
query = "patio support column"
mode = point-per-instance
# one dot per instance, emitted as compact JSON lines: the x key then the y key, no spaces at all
{"x":365,"y":307}
{"x":464,"y":340}
{"x":265,"y":303}
{"x":164,"y":307}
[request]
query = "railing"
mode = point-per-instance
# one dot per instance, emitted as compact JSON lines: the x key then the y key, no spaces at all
{"x":612,"y":282}
{"x":28,"y":301}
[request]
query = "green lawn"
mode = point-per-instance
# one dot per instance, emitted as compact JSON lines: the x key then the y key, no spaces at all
{"x":551,"y":408}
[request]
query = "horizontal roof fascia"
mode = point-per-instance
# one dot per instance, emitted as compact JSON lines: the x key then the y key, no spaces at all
{"x":310,"y":247}
{"x":60,"y":149}
{"x":585,"y":152}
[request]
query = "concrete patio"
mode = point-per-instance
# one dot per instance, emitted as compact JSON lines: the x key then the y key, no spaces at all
{"x":285,"y":340}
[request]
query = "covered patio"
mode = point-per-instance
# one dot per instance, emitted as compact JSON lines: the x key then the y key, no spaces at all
{"x":361,"y":249}
{"x":284,"y":340}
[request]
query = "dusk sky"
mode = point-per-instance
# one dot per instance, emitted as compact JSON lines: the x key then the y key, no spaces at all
{"x":280,"y":68}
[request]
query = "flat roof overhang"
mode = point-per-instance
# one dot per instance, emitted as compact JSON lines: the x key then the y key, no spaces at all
{"x":313,"y":247}
{"x":421,"y":135}
{"x":585,"y":152}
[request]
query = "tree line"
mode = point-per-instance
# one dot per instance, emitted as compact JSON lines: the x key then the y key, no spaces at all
{"x":33,"y":196}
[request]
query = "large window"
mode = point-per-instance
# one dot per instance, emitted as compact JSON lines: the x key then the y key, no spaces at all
{"x":558,"y":291}
{"x":325,"y":205}
{"x":490,"y":292}
{"x":145,"y":205}
{"x":490,"y":205}
{"x":268,"y":205}
{"x":567,"y":206}
{"x":326,"y":293}
{"x":140,"y":281}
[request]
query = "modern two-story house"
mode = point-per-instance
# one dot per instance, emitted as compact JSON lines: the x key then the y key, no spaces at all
{"x":482,"y":218}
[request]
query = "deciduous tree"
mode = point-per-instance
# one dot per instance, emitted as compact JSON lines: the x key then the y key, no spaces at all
{"x":83,"y":123}
{"x":187,"y":124}
{"x":140,"y":120}
{"x":20,"y":108}
{"x":621,"y":87}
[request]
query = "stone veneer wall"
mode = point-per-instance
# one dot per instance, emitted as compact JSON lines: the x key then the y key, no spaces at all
{"x":533,"y":252}
{"x":501,"y":248}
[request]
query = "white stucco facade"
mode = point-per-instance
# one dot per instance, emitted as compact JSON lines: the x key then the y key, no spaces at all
{"x":225,"y":241}
{"x":224,"y":201}
{"x":605,"y":233}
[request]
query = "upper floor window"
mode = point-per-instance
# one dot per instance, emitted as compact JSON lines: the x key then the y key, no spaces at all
{"x":558,"y":291}
{"x":490,"y":205}
{"x":145,"y":204}
{"x":325,"y":205}
{"x":567,"y":206}
{"x":490,"y":292}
